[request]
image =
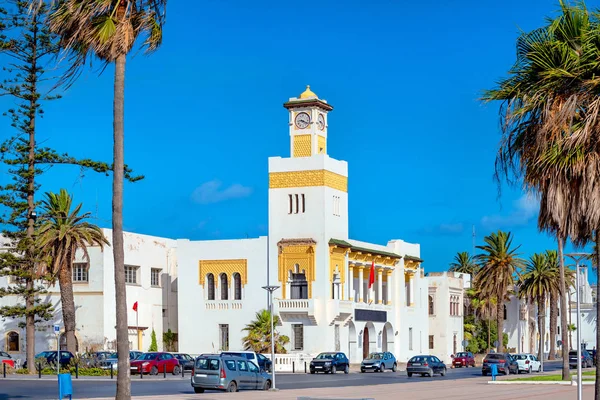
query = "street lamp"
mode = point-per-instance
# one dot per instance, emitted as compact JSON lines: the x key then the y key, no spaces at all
{"x":578,"y":257}
{"x":271,"y":289}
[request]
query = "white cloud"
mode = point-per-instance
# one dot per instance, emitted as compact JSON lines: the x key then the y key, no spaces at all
{"x":212,"y":192}
{"x":524,"y":210}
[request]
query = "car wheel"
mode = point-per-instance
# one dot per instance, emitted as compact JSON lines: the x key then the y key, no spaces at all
{"x":154,"y":371}
{"x":409,"y":374}
{"x":382,"y":368}
{"x":232,"y":387}
{"x":198,"y":390}
{"x":483,"y":374}
{"x":312,"y":371}
{"x":430,"y":374}
{"x":333,"y":369}
{"x":506,"y":370}
{"x":176,"y":370}
{"x":362,"y":370}
{"x":267,"y":385}
{"x":443,"y":372}
{"x":347,"y":369}
{"x":394,"y":368}
{"x":539,"y":368}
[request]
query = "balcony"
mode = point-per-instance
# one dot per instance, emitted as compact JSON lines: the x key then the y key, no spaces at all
{"x":222,"y":305}
{"x":343,"y":311}
{"x":296,"y":310}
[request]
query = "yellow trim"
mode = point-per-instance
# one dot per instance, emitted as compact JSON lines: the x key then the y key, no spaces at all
{"x":139,"y":339}
{"x":308,"y":93}
{"x":409,"y":264}
{"x":302,"y":146}
{"x":337,"y":256}
{"x":289,"y":256}
{"x":321,"y":145}
{"x":217,"y":267}
{"x":321,"y":177}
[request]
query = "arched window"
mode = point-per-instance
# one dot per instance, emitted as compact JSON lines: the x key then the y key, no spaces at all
{"x":224,"y":287}
{"x":431,"y":305}
{"x":210,"y":283}
{"x":237,"y":286}
{"x":13,"y":342}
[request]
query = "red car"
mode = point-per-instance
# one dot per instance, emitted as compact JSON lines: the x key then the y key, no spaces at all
{"x":463,"y":359}
{"x":153,"y":363}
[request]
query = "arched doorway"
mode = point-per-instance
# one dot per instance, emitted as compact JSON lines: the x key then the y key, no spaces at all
{"x":352,"y":342}
{"x":365,"y":343}
{"x":387,"y":338}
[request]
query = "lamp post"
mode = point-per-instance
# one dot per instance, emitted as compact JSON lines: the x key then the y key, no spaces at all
{"x":578,"y":257}
{"x":271,"y":289}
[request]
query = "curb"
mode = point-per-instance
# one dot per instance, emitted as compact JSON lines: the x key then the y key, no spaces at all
{"x":563,"y":383}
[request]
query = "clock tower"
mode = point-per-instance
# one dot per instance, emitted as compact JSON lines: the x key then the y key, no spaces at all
{"x":308,"y":124}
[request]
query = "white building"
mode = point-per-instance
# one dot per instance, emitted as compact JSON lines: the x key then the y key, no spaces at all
{"x":446,"y":319}
{"x":210,"y":290}
{"x":324,"y":301}
{"x":151,"y":281}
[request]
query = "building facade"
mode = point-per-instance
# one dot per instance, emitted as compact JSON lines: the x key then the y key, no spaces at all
{"x":151,"y":277}
{"x":446,"y":313}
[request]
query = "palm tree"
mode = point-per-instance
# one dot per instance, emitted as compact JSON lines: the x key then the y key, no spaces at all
{"x":463,"y":263}
{"x":499,"y":265}
{"x":258,"y":338}
{"x":485,"y":309}
{"x":550,"y":123}
{"x":539,"y":280}
{"x":552,"y":261}
{"x":108,"y":30}
{"x":62,"y":232}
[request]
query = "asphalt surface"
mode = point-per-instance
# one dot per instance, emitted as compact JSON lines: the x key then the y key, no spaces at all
{"x":32,"y":388}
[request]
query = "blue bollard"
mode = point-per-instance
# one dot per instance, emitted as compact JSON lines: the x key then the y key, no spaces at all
{"x":65,"y":386}
{"x":494,"y":369}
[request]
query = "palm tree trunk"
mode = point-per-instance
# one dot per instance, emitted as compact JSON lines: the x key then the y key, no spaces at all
{"x":597,"y":266}
{"x":68,"y":305}
{"x":541,"y":325}
{"x":500,"y":323}
{"x":123,"y":374}
{"x":563,"y":315}
{"x":553,"y":324}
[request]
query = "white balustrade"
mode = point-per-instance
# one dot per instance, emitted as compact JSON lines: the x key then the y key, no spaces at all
{"x":223,"y":305}
{"x":291,"y":362}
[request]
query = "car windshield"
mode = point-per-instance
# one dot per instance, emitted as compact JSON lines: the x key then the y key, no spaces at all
{"x":521,"y":357}
{"x":325,"y":356}
{"x":418,"y":359}
{"x":494,"y":356}
{"x":375,"y":356}
{"x":462,"y":355}
{"x":573,"y":353}
{"x":148,"y":356}
{"x":210,"y":364}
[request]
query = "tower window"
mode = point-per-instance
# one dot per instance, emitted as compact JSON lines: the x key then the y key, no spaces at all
{"x":297,"y":204}
{"x":303,"y":204}
{"x":291,"y":201}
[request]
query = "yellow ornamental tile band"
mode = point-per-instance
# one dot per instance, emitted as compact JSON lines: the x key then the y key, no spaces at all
{"x":217,"y":267}
{"x":302,"y":146}
{"x":321,"y":177}
{"x":322,"y":143}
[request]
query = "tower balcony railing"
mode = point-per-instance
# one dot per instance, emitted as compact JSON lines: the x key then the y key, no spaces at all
{"x":295,"y":309}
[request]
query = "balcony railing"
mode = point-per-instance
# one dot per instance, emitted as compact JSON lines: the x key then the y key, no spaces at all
{"x":223,"y":305}
{"x":295,"y":309}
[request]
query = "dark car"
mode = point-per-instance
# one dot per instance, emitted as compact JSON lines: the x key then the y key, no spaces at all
{"x":43,"y":355}
{"x":330,"y":362}
{"x":425,"y":366}
{"x":153,"y":363}
{"x":463,"y":359}
{"x":586,"y":359}
{"x":505,"y":363}
{"x":379,"y":362}
{"x":94,"y":360}
{"x":65,"y":358}
{"x":593,"y":354}
{"x":185,"y":361}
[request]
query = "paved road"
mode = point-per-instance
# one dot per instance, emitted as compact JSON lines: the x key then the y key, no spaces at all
{"x":46,"y":388}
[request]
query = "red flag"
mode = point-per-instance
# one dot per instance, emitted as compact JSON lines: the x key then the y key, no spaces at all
{"x":372,"y":275}
{"x":135,"y":306}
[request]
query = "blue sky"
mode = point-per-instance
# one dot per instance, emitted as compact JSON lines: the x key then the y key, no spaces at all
{"x":205,"y":112}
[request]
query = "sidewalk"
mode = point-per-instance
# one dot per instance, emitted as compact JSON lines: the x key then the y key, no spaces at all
{"x":458,"y":389}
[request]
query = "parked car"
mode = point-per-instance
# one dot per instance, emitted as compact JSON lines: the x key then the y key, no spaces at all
{"x":153,"y":363}
{"x":330,"y":362}
{"x":185,"y":361}
{"x":95,"y":359}
{"x":425,"y":366}
{"x":586,"y":359}
{"x":7,"y":359}
{"x":228,"y":373}
{"x":114,"y":361}
{"x":65,"y":358}
{"x":505,"y":362}
{"x":463,"y":359}
{"x":379,"y":362}
{"x":43,"y":355}
{"x":528,"y":363}
{"x":593,"y":354}
{"x":257,"y":358}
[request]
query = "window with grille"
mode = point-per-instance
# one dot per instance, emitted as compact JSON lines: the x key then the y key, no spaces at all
{"x":155,"y":277}
{"x":431,"y":311}
{"x":224,"y":287}
{"x":131,"y":274}
{"x":224,"y":337}
{"x":431,"y":342}
{"x":298,"y":331}
{"x":210,"y":283}
{"x":237,"y":286}
{"x":80,"y":272}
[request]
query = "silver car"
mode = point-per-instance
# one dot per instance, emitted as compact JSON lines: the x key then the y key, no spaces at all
{"x":379,"y":362}
{"x":227,"y":373}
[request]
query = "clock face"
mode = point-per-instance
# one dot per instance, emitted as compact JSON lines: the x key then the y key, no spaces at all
{"x":321,"y":122}
{"x":302,"y":120}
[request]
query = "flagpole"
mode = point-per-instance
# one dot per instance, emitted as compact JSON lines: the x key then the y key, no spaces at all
{"x":137,"y":328}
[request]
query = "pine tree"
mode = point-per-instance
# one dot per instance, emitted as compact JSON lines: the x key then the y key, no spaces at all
{"x":31,"y":50}
{"x":153,"y":344}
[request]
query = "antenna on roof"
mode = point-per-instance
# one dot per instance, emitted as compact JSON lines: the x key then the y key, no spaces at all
{"x":473,"y":249}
